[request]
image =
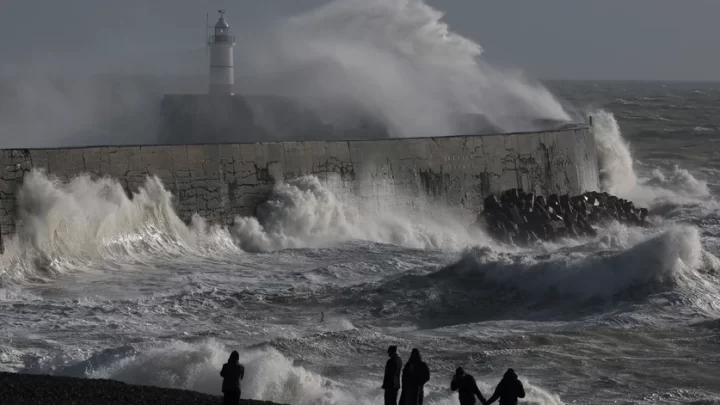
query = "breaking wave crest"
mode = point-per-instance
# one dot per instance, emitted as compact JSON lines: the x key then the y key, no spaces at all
{"x":305,"y":213}
{"x":680,"y":181}
{"x":92,"y":223}
{"x":68,"y":225}
{"x":671,"y":260}
{"x":618,"y":174}
{"x":569,"y":283}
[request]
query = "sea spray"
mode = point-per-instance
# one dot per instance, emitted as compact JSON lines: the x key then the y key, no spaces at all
{"x":397,"y":61}
{"x":643,"y":274}
{"x":304,"y":212}
{"x":680,"y":181}
{"x":673,"y":259}
{"x":63,"y":225}
{"x":615,"y":161}
{"x":618,"y":174}
{"x":646,"y":293}
{"x":77,"y":109}
{"x":84,"y":215}
{"x":269,"y":375}
{"x":70,"y":224}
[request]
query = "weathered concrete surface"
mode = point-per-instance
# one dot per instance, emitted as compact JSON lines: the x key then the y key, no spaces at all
{"x":222,"y":181}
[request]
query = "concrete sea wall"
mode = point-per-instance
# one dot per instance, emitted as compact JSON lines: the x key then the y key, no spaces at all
{"x":221,"y":181}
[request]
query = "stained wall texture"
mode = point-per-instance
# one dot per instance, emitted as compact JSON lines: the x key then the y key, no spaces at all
{"x":222,"y":181}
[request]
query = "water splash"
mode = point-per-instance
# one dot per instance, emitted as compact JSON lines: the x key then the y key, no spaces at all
{"x":397,"y":61}
{"x":618,"y":175}
{"x":269,"y":375}
{"x":305,"y":213}
{"x":64,"y":226}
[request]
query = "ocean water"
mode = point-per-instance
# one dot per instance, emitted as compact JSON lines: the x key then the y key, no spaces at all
{"x":102,"y":286}
{"x":98,"y":285}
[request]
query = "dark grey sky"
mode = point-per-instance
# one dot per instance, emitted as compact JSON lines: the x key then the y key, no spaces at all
{"x":564,"y":39}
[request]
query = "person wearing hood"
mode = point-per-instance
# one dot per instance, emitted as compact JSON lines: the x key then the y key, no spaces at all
{"x":467,"y":388}
{"x":391,"y":381}
{"x":232,"y":372}
{"x":414,"y":376}
{"x":508,"y":390}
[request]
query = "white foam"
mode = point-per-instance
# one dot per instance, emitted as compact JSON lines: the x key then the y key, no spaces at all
{"x":65,"y":226}
{"x":88,"y":223}
{"x":679,"y":181}
{"x":16,"y":294}
{"x":195,"y":366}
{"x":618,"y":175}
{"x":614,"y":159}
{"x":674,"y":259}
{"x":399,"y":62}
{"x":305,"y":213}
{"x":269,"y":375}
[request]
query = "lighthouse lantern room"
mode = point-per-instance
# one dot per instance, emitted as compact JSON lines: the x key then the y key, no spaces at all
{"x":221,"y":44}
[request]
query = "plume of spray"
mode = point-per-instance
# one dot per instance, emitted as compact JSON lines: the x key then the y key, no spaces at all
{"x":618,"y":175}
{"x":77,"y":111}
{"x":396,"y":61}
{"x":108,"y":94}
{"x":306,"y":213}
{"x":87,"y":222}
{"x":392,"y":62}
{"x":67,"y":225}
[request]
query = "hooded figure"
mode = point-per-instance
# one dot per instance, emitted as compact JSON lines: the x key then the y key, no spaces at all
{"x":508,"y":390}
{"x":232,"y":372}
{"x":467,"y":388}
{"x":391,"y":381}
{"x":415,"y":374}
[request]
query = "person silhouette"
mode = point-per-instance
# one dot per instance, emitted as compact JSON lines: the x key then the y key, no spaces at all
{"x":391,"y":381}
{"x":232,"y":372}
{"x":414,"y":376}
{"x":508,"y":390}
{"x":467,"y":388}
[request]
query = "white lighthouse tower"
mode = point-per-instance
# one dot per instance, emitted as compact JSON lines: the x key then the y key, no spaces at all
{"x":221,"y":45}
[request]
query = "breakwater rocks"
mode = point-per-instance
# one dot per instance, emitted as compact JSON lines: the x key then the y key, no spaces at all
{"x":522,"y":219}
{"x":27,"y":389}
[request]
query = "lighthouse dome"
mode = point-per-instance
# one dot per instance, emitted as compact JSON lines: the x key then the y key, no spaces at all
{"x":222,"y":23}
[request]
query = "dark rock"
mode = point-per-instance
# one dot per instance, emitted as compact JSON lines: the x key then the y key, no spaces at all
{"x":29,"y":389}
{"x":526,"y":218}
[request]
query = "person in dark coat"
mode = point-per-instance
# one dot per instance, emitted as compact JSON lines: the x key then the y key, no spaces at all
{"x":415,"y":374}
{"x":508,"y":390}
{"x":467,"y":388}
{"x":391,"y":381}
{"x":232,"y":372}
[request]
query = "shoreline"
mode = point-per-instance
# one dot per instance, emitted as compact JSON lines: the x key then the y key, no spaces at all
{"x":32,"y":389}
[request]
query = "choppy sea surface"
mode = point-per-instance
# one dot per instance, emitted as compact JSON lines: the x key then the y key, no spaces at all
{"x":98,"y":285}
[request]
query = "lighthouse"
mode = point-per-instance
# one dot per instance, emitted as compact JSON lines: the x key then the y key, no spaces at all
{"x":221,"y":45}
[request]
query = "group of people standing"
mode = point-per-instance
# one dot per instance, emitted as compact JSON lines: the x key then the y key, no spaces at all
{"x":410,"y":381}
{"x":414,"y":376}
